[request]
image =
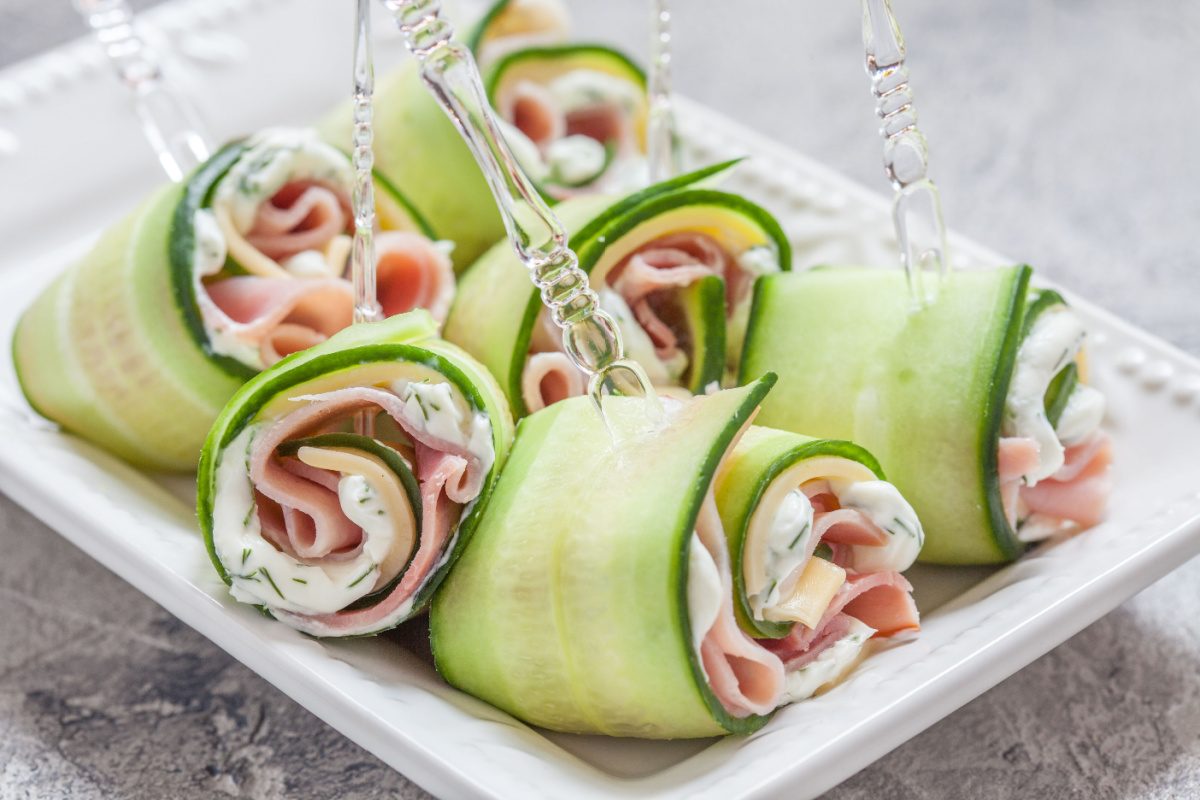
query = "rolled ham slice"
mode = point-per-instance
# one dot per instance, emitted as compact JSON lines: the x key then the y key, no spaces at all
{"x":412,"y":272}
{"x":1077,"y":493}
{"x":643,"y":280}
{"x":300,"y":216}
{"x":277,"y":316}
{"x":338,"y":531}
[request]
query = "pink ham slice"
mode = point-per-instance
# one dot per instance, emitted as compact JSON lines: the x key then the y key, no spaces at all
{"x":412,"y":272}
{"x":300,"y":216}
{"x":438,"y":472}
{"x":1017,"y":456}
{"x":642,"y":279}
{"x":530,"y":109}
{"x":1079,"y":490}
{"x":283,"y":315}
{"x":746,"y":678}
{"x":881,"y":600}
{"x":302,"y":515}
{"x":548,"y":378}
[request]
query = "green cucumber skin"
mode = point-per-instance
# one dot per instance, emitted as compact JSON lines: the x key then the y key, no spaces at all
{"x":757,"y":459}
{"x":496,"y":305}
{"x":569,"y":607}
{"x":475,"y":33}
{"x":924,"y":392}
{"x":105,"y":352}
{"x":704,"y":306}
{"x":405,"y":337}
{"x":594,"y":53}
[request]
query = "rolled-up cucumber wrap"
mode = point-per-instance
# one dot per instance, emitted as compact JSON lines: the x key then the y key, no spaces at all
{"x":817,"y":541}
{"x":585,"y":106}
{"x":951,"y":398}
{"x":595,"y":595}
{"x":139,"y":345}
{"x":673,"y":264}
{"x":575,"y":117}
{"x":333,"y":532}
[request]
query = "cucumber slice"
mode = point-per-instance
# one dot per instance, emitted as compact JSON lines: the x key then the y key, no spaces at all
{"x":701,"y":308}
{"x":568,"y":609}
{"x":419,"y":151}
{"x":923,"y":391}
{"x":496,"y":307}
{"x":758,"y":458}
{"x":108,"y":353}
{"x":1060,"y":391}
{"x":362,"y":355}
{"x":116,"y":350}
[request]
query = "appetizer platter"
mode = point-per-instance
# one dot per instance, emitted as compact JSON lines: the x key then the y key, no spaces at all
{"x":978,"y":623}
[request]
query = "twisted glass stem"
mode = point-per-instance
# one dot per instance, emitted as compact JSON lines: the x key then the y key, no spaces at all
{"x":590,"y":336}
{"x":661,"y":153}
{"x":168,"y":120}
{"x":362,"y":258}
{"x":916,"y":209}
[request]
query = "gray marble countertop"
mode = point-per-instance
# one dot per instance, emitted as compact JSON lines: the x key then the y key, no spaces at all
{"x":1062,"y":132}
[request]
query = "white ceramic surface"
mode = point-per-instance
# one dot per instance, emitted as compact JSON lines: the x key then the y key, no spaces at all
{"x":980,"y":625}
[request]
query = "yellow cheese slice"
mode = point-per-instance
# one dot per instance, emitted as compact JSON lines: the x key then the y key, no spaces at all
{"x":818,"y":584}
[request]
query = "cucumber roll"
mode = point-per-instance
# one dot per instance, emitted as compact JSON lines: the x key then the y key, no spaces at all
{"x":595,"y":595}
{"x":138,"y":347}
{"x":599,"y":595}
{"x":334,"y":532}
{"x":574,"y":116}
{"x":975,"y":405}
{"x":673,"y":264}
{"x":817,"y":541}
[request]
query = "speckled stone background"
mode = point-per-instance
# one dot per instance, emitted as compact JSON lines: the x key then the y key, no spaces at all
{"x":1063,"y":132}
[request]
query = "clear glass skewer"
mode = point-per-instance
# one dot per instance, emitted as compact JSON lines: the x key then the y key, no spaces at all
{"x":661,"y":151}
{"x":169,"y":121}
{"x":362,"y":253}
{"x":916,"y":209}
{"x":590,"y":336}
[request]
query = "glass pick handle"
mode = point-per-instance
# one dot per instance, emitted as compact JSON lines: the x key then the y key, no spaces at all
{"x":169,"y":122}
{"x":362,"y":254}
{"x":916,"y":209}
{"x":661,"y":153}
{"x":590,"y":336}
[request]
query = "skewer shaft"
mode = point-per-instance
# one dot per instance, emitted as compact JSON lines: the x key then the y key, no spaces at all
{"x":916,"y":209}
{"x":169,"y":122}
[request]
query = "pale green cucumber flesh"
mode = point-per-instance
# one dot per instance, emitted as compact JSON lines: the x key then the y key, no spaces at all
{"x":756,"y":461}
{"x":418,"y":150}
{"x":569,"y":607}
{"x":923,"y":391}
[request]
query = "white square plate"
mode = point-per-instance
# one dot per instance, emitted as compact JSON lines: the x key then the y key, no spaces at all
{"x":980,"y":625}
